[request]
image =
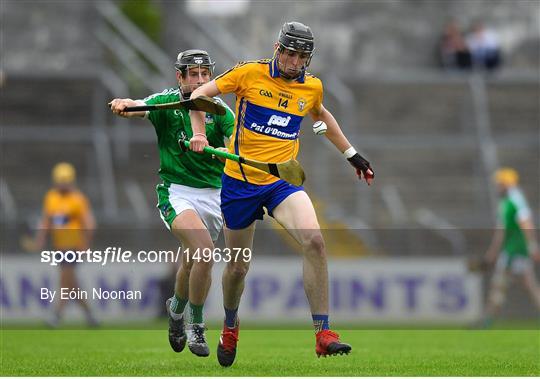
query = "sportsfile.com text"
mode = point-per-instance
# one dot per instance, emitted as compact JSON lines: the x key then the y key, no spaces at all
{"x":118,"y":255}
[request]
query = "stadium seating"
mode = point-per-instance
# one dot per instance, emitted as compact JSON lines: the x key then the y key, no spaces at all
{"x":419,"y":134}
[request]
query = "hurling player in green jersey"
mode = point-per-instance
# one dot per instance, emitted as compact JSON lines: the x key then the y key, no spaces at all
{"x":189,"y":195}
{"x":514,"y":245}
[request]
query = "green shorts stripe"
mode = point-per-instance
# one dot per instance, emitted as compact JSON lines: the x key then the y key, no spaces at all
{"x":166,"y":210}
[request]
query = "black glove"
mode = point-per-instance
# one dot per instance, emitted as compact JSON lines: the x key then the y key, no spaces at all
{"x":362,"y":166}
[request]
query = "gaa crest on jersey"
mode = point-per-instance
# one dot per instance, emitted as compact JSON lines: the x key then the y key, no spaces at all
{"x":301,"y":104}
{"x":181,"y":135}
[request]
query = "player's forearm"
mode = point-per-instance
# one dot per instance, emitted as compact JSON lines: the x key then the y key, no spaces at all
{"x":530,"y":234}
{"x":138,"y":114}
{"x":118,"y":106}
{"x":209,"y":89}
{"x":89,"y":224}
{"x":197,"y":123}
{"x":88,"y":236}
{"x":334,"y":133}
{"x":41,"y":238}
{"x":336,"y":136}
{"x":197,"y":118}
{"x":41,"y":235}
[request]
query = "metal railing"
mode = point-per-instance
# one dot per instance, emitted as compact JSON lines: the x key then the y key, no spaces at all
{"x":132,"y":47}
{"x":9,"y":207}
{"x":488,"y":149}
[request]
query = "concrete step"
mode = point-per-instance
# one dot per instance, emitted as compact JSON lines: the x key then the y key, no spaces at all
{"x":47,"y":101}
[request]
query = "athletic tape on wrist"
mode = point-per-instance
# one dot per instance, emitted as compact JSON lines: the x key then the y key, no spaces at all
{"x":349,"y":153}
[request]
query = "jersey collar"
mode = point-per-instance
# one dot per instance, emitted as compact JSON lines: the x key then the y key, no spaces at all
{"x":274,"y":71}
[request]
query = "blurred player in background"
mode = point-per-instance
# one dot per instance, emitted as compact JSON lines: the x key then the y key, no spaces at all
{"x":513,"y":245}
{"x":67,"y":217}
{"x":189,"y":197}
{"x":273,"y":96}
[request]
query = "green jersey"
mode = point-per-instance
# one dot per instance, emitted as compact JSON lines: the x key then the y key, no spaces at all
{"x":187,"y":168}
{"x":512,"y":209}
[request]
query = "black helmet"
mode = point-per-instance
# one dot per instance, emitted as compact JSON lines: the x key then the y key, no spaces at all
{"x":296,"y":36}
{"x":190,"y":59}
{"x":193,"y":58}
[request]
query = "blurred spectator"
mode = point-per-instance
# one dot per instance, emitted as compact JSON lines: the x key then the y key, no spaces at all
{"x":453,"y":51}
{"x":68,"y":219}
{"x":483,"y":44}
{"x":514,"y":246}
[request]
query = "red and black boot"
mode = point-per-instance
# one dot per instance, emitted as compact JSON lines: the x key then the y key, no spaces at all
{"x":226,"y":351}
{"x":328,"y":343}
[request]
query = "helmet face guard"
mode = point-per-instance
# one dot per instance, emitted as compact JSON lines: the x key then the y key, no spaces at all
{"x":297,"y":37}
{"x":193,"y":59}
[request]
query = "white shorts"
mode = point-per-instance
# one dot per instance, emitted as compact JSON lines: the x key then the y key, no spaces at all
{"x":515,"y":265}
{"x":173,"y":199}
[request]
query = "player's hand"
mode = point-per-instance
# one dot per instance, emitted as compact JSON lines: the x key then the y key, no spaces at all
{"x":198,"y":142}
{"x":118,"y":105}
{"x":224,"y":149}
{"x":477,"y":264}
{"x":363,"y":168}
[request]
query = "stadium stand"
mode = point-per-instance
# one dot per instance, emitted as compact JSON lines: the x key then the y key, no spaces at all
{"x":418,"y":127}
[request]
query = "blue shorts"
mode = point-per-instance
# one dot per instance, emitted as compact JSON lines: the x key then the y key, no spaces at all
{"x":242,"y":203}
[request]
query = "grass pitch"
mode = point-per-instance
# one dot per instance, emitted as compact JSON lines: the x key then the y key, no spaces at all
{"x":272,"y":353}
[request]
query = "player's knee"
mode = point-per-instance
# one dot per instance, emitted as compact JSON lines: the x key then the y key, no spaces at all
{"x":203,"y":266}
{"x":314,"y":245}
{"x":238,"y":271}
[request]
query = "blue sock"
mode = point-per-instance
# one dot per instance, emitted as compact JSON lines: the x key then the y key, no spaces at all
{"x":230,"y":317}
{"x":320,"y":322}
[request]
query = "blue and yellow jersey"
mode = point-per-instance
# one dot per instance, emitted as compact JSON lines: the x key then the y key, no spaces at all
{"x":66,"y":212}
{"x":269,"y":110}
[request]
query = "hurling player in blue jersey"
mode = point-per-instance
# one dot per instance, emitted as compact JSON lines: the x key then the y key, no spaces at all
{"x":273,"y":96}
